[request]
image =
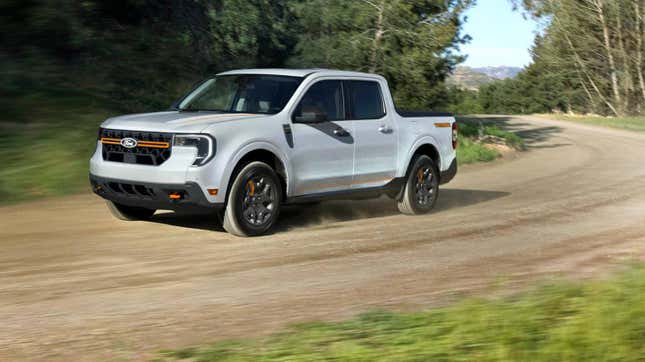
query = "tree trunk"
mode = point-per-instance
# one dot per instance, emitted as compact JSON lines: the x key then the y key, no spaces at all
{"x":378,"y":37}
{"x":628,"y":80}
{"x":582,"y":69}
{"x":592,"y":102}
{"x":610,"y":56}
{"x":640,"y":34}
{"x":591,"y":81}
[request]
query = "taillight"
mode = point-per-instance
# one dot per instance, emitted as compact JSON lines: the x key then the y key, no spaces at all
{"x":454,"y":135}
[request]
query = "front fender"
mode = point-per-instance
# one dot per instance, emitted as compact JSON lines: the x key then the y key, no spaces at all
{"x":254,"y":145}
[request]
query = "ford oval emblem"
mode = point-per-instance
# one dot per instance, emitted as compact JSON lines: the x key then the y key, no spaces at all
{"x":128,"y":142}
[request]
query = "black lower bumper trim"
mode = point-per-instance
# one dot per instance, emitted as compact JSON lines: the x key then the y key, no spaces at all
{"x":152,"y":195}
{"x":448,"y":174}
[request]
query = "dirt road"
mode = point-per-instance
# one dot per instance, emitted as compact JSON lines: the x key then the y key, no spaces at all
{"x":77,"y":284}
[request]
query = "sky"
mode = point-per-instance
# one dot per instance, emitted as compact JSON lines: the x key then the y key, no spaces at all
{"x":500,"y":36}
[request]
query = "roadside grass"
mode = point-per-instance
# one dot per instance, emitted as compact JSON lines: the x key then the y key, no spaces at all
{"x":46,"y":140}
{"x":636,"y":123}
{"x":593,"y":321}
{"x":471,"y":148}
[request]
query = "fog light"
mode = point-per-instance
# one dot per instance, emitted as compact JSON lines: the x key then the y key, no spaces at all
{"x":175,"y":196}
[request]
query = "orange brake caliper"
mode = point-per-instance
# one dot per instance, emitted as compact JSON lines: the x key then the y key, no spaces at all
{"x":420,"y":175}
{"x":251,"y":187}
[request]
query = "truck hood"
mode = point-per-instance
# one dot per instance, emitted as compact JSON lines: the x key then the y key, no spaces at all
{"x":174,"y":121}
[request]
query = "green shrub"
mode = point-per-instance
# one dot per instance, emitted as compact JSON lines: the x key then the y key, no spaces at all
{"x":469,"y":151}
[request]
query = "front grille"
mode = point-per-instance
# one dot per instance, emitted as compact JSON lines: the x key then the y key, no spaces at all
{"x":153,"y":148}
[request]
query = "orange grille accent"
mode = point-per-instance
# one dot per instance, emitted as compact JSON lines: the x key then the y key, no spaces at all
{"x":149,"y":144}
{"x":153,"y":144}
{"x":111,"y":141}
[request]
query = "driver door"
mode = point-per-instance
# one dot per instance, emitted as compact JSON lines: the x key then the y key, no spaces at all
{"x":323,"y":143}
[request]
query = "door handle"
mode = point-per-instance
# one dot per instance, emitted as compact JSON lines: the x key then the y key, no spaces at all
{"x":341,"y":132}
{"x":385,"y":129}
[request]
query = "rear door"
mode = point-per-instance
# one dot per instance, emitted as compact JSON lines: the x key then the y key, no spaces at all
{"x":375,"y":134}
{"x":323,"y":151}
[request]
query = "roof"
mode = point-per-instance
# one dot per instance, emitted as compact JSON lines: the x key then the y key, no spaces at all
{"x":298,"y":72}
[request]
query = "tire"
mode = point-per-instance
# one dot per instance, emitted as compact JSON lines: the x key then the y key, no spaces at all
{"x":254,"y":201}
{"x":129,"y":213}
{"x":421,"y":188}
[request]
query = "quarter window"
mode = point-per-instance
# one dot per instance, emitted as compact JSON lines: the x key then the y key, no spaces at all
{"x":365,"y":100}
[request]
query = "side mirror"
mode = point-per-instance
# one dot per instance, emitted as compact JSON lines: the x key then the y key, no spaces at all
{"x":310,"y":117}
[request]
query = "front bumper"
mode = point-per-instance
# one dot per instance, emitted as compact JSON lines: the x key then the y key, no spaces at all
{"x":152,"y":195}
{"x":176,"y":172}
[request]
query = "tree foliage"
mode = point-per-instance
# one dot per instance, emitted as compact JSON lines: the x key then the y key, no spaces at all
{"x":410,"y":42}
{"x":145,"y":53}
{"x":589,"y":59}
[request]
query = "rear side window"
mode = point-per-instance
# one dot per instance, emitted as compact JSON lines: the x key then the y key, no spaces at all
{"x":324,"y":97}
{"x":365,"y":99}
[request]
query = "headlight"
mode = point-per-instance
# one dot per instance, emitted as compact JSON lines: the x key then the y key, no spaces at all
{"x":204,"y":144}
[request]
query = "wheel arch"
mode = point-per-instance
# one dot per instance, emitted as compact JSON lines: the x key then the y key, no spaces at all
{"x":264,"y":152}
{"x":425,"y":146}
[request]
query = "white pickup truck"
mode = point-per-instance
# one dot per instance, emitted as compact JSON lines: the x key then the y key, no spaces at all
{"x":245,"y":142}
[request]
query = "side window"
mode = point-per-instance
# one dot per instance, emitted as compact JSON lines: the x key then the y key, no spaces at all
{"x":324,"y":97}
{"x":365,"y":100}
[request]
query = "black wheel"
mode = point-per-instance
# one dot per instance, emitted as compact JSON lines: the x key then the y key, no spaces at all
{"x":129,"y":213}
{"x":253,"y":201}
{"x":421,"y":188}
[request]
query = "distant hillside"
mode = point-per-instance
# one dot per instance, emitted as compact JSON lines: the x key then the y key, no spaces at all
{"x":466,"y":77}
{"x":502,"y":72}
{"x":473,"y":78}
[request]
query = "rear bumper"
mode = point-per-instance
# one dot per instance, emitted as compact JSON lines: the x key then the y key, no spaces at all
{"x":152,"y":195}
{"x":448,"y":174}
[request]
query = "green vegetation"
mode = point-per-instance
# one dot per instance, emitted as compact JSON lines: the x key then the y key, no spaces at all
{"x":470,"y":151}
{"x":45,"y":151}
{"x":145,"y":54}
{"x":594,"y":321}
{"x":409,"y":42}
{"x":589,"y":58}
{"x":628,"y":123}
{"x":473,"y":130}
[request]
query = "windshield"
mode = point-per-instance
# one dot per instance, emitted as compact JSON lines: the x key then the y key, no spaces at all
{"x":245,"y":93}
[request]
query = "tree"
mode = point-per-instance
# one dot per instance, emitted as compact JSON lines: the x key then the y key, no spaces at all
{"x":143,"y":54}
{"x":600,"y":42}
{"x":412,"y":43}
